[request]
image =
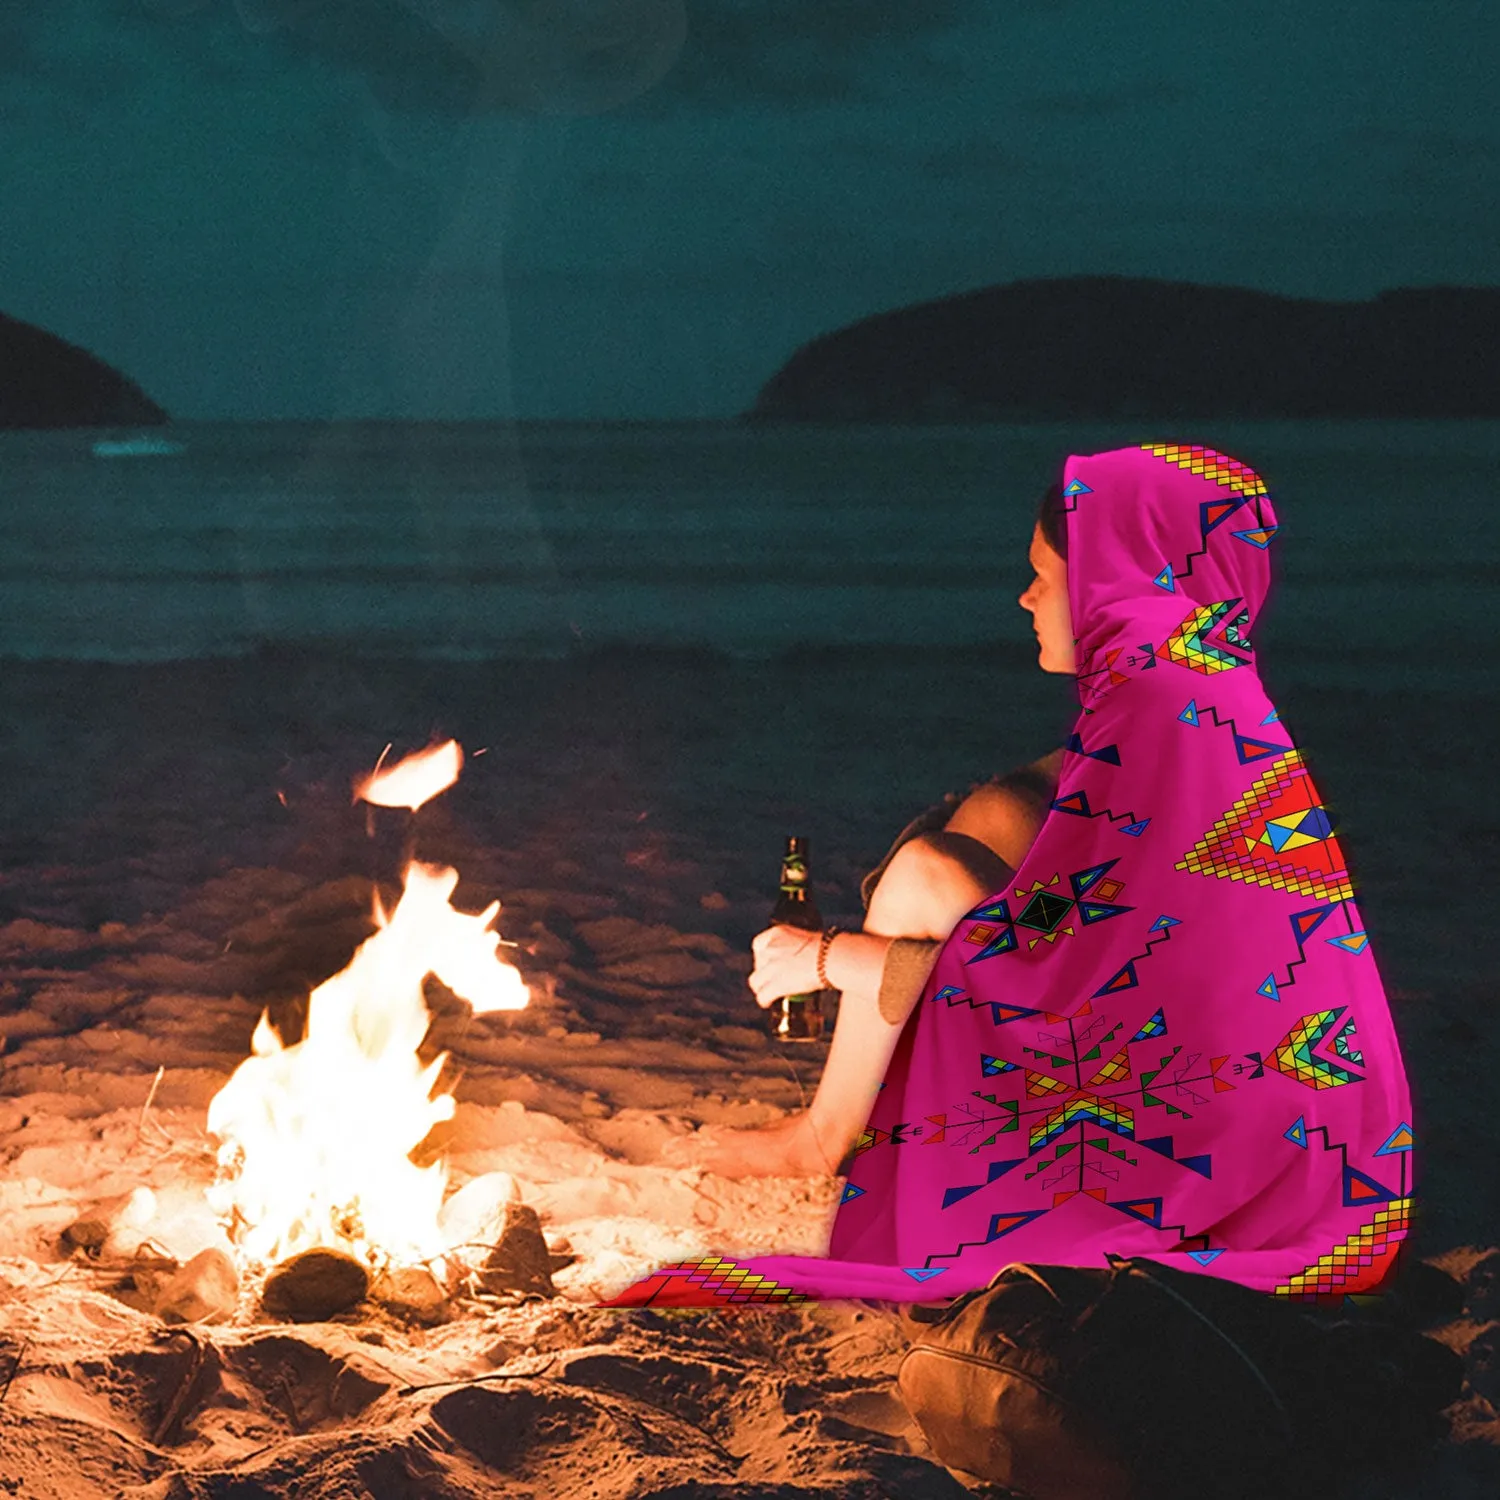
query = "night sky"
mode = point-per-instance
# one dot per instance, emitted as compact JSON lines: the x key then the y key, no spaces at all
{"x":458,"y":209}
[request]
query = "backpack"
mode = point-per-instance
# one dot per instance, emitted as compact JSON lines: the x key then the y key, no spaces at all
{"x":1073,"y":1383}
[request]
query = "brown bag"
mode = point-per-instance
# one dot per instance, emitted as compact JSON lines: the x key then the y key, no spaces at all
{"x":1069,"y":1383}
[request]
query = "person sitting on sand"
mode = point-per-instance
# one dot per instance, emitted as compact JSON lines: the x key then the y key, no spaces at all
{"x":940,"y":866}
{"x":1138,"y":1016}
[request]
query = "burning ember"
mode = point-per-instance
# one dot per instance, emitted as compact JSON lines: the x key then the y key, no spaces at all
{"x":414,"y":779}
{"x":316,"y":1137}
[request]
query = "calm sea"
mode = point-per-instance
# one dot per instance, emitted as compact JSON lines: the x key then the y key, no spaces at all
{"x":476,"y":542}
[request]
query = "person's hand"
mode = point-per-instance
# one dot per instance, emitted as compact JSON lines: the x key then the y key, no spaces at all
{"x":786,"y":963}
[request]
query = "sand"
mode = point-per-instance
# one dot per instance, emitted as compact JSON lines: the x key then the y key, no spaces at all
{"x":179,"y":851}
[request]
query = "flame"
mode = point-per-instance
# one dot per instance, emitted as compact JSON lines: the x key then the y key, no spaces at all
{"x":316,"y":1137}
{"x":414,"y":779}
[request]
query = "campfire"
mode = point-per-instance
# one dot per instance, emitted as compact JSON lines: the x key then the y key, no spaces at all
{"x":317,"y":1135}
{"x":315,"y":1181}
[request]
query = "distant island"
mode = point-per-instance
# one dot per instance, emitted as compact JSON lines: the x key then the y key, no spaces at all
{"x":1116,"y":347}
{"x":47,"y":382}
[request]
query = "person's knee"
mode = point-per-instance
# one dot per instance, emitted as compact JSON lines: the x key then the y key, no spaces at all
{"x":930,"y":883}
{"x":966,"y":864}
{"x":1005,"y":818}
{"x":898,"y":904}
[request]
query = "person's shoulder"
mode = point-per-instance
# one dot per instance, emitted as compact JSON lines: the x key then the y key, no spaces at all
{"x":1050,"y":765}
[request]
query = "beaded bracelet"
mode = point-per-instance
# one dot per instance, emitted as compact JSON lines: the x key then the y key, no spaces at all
{"x":825,"y":942}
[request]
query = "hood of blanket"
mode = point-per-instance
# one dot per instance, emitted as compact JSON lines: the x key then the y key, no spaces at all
{"x":1168,"y":559}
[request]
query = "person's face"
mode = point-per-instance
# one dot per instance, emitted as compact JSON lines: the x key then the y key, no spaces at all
{"x":1047,"y":599}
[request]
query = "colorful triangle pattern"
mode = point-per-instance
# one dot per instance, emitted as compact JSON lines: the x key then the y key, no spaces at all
{"x":1109,"y":754}
{"x":1200,"y":642}
{"x":997,"y":1169}
{"x":1008,"y":1223}
{"x":1003,"y":1014}
{"x":1083,"y":881}
{"x":1202,"y":1164}
{"x":1146,"y":1210}
{"x":1400,"y":1139}
{"x":1260,"y":536}
{"x":1212,"y":465}
{"x":1305,"y":923}
{"x":1294,"y":1055}
{"x":1277,"y":834}
{"x":1156,"y":1025}
{"x":1361,"y":1258}
{"x":1360,"y":1189}
{"x":1214,"y":513}
{"x":1250,"y":751}
{"x":1124,"y":980}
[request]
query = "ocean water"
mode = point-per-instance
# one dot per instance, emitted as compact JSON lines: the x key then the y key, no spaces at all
{"x":495,"y":542}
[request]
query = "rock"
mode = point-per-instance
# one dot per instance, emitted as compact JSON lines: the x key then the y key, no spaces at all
{"x":414,"y":1295}
{"x":114,"y":1225}
{"x":520,"y":1261}
{"x":149,"y":1274}
{"x":205,"y":1290}
{"x":86,"y":1234}
{"x":473,"y":1219}
{"x":314,"y":1285}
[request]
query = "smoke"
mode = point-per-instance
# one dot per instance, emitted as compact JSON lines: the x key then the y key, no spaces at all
{"x":570,"y":57}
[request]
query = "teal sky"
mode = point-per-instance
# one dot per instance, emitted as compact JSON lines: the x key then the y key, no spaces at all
{"x":637,"y":208}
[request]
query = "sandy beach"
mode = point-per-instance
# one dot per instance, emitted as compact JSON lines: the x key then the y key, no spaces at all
{"x":179,"y":850}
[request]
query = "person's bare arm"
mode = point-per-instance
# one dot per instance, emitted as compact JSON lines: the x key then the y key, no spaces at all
{"x":1005,"y":815}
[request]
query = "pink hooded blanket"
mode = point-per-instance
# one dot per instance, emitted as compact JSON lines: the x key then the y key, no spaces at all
{"x":1167,"y":1036}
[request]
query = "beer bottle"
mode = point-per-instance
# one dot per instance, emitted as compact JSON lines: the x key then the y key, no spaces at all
{"x":797,"y":1018}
